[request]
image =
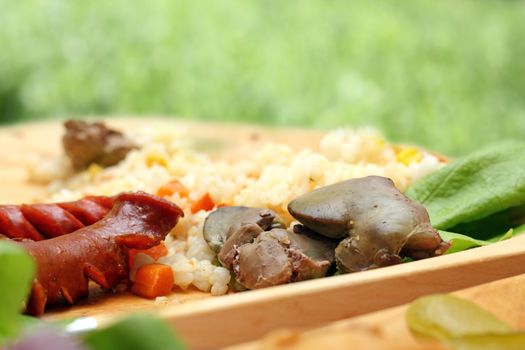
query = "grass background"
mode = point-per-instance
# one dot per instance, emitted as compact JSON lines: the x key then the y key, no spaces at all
{"x":449,"y":75}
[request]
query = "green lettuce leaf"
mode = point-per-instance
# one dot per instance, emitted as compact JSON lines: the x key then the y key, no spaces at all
{"x":462,"y":242}
{"x":16,"y":273}
{"x":136,"y":332}
{"x":474,"y":187}
{"x":445,"y":317}
{"x":461,"y":324}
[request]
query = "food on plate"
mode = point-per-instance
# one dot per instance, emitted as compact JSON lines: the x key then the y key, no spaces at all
{"x":94,"y":143}
{"x":481,"y":194}
{"x":282,"y":256}
{"x":260,"y":253}
{"x":152,"y":280}
{"x":224,"y":223}
{"x":378,"y":225}
{"x":98,"y":252}
{"x":168,"y":162}
{"x":41,"y":221}
{"x":477,"y":199}
{"x":362,"y":223}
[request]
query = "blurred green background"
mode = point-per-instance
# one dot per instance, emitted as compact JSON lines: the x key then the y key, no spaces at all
{"x":449,"y":75}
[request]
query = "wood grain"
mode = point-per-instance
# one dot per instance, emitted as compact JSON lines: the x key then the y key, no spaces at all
{"x":387,"y":329}
{"x":211,"y":322}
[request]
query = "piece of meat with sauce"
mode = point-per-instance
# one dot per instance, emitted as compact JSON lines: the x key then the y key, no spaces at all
{"x":98,"y":252}
{"x":376,"y":223}
{"x":94,"y":143}
{"x":260,"y":253}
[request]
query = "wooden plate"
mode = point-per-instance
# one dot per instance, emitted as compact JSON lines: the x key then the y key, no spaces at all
{"x":210,"y":322}
{"x":387,"y":329}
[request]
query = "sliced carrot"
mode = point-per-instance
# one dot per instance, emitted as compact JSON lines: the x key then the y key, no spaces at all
{"x":203,"y":203}
{"x":155,"y":252}
{"x":172,"y":187}
{"x":153,"y":280}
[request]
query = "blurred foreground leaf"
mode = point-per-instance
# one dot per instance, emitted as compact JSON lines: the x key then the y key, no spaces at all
{"x":137,"y":332}
{"x":16,"y":274}
{"x":460,"y":323}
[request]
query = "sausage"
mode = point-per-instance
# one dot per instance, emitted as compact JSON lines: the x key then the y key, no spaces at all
{"x":98,"y":252}
{"x":40,"y":221}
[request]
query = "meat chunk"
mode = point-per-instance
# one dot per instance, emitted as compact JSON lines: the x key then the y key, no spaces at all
{"x":225,"y":221}
{"x":86,"y":143}
{"x":375,"y":221}
{"x":98,"y":252}
{"x":282,"y":256}
{"x":260,"y":253}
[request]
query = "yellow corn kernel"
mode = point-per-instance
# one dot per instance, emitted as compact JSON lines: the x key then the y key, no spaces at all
{"x":156,"y":158}
{"x":94,"y":169}
{"x":380,"y":142}
{"x":409,"y":155}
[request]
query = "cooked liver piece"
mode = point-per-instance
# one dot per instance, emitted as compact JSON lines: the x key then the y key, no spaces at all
{"x":87,"y":143}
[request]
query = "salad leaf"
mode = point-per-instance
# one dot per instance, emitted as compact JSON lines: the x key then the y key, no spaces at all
{"x":136,"y":332}
{"x":461,"y":324}
{"x":485,"y":228}
{"x":16,"y":275}
{"x":462,"y":242}
{"x":474,"y":187}
{"x":445,"y":317}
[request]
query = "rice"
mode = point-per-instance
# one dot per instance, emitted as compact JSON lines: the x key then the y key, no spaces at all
{"x":271,"y":177}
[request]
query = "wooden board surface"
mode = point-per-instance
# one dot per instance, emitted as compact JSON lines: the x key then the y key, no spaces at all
{"x":210,"y":322}
{"x":387,"y":329}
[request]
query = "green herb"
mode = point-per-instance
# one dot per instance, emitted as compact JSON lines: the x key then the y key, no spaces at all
{"x":460,"y":323}
{"x":474,"y":187}
{"x":446,"y":316}
{"x":16,"y":274}
{"x":137,"y":332}
{"x":462,"y":242}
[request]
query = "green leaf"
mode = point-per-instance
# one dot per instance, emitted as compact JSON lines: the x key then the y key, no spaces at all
{"x":519,"y":230}
{"x":445,"y":317}
{"x":474,"y":187}
{"x":462,"y":242}
{"x":136,"y":332}
{"x":461,"y":324}
{"x":16,"y":274}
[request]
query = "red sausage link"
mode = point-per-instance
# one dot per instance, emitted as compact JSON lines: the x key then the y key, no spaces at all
{"x":14,"y":225}
{"x":98,"y":252}
{"x":103,"y":201}
{"x":40,"y":221}
{"x":85,"y":210}
{"x":50,"y":219}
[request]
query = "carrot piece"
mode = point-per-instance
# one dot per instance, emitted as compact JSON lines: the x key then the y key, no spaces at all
{"x":153,"y":280}
{"x":172,"y":187}
{"x":155,"y":252}
{"x":203,"y":203}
